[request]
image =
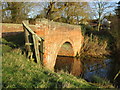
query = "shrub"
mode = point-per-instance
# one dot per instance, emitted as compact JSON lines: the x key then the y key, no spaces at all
{"x":93,"y":47}
{"x":85,"y":29}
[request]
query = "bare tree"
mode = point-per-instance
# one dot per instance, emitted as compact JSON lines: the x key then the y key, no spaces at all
{"x":101,"y":9}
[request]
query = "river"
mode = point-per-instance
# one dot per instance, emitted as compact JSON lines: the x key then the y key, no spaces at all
{"x":89,"y":69}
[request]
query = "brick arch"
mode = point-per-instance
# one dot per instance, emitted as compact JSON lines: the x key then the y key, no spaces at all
{"x":50,"y":60}
{"x":52,"y":48}
{"x":71,"y":52}
{"x":64,"y":41}
{"x":59,"y":47}
{"x":55,"y":35}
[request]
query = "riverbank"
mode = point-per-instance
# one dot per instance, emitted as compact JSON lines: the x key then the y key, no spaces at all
{"x":20,"y":72}
{"x":97,"y":44}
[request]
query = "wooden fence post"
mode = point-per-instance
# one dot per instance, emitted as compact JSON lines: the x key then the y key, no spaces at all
{"x":41,"y":50}
{"x":32,"y":39}
{"x":36,"y":48}
{"x":27,"y":35}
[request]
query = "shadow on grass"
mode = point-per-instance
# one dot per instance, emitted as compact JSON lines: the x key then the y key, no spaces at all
{"x":9,"y":43}
{"x":15,"y":41}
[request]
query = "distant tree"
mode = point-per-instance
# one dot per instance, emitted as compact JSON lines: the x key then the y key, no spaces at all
{"x":101,"y":9}
{"x":69,"y":12}
{"x":15,"y":12}
{"x":54,"y":9}
{"x":75,"y":11}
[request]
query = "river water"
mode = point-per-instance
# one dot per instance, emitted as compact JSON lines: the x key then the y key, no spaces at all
{"x":88,"y":69}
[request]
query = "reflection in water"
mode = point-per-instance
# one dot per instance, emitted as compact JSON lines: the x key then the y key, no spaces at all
{"x":102,"y":68}
{"x":76,"y":67}
{"x":99,"y":68}
{"x":68,"y":64}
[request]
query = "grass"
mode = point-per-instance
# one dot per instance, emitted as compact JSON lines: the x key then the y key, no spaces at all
{"x":20,"y":72}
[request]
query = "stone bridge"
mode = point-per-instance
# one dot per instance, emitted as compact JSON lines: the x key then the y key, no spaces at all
{"x":55,"y":35}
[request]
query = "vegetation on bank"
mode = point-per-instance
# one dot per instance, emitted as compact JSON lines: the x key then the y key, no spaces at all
{"x":96,"y":44}
{"x":20,"y":72}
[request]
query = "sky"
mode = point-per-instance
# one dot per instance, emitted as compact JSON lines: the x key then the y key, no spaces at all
{"x":37,"y":9}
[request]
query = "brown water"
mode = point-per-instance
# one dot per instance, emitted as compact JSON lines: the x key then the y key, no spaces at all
{"x":69,"y":64}
{"x":106,"y":68}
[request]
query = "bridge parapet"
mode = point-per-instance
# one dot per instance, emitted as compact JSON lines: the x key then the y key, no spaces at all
{"x":51,"y":24}
{"x":45,"y":27}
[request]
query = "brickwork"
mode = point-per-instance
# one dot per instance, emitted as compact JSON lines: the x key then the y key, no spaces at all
{"x":9,"y":29}
{"x":55,"y":35}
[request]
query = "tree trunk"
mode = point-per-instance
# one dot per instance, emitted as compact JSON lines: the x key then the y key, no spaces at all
{"x":99,"y":23}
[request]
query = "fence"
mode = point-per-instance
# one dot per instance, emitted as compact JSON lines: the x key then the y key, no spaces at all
{"x":33,"y":43}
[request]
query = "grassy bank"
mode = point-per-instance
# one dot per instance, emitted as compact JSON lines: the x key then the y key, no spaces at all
{"x":20,"y":72}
